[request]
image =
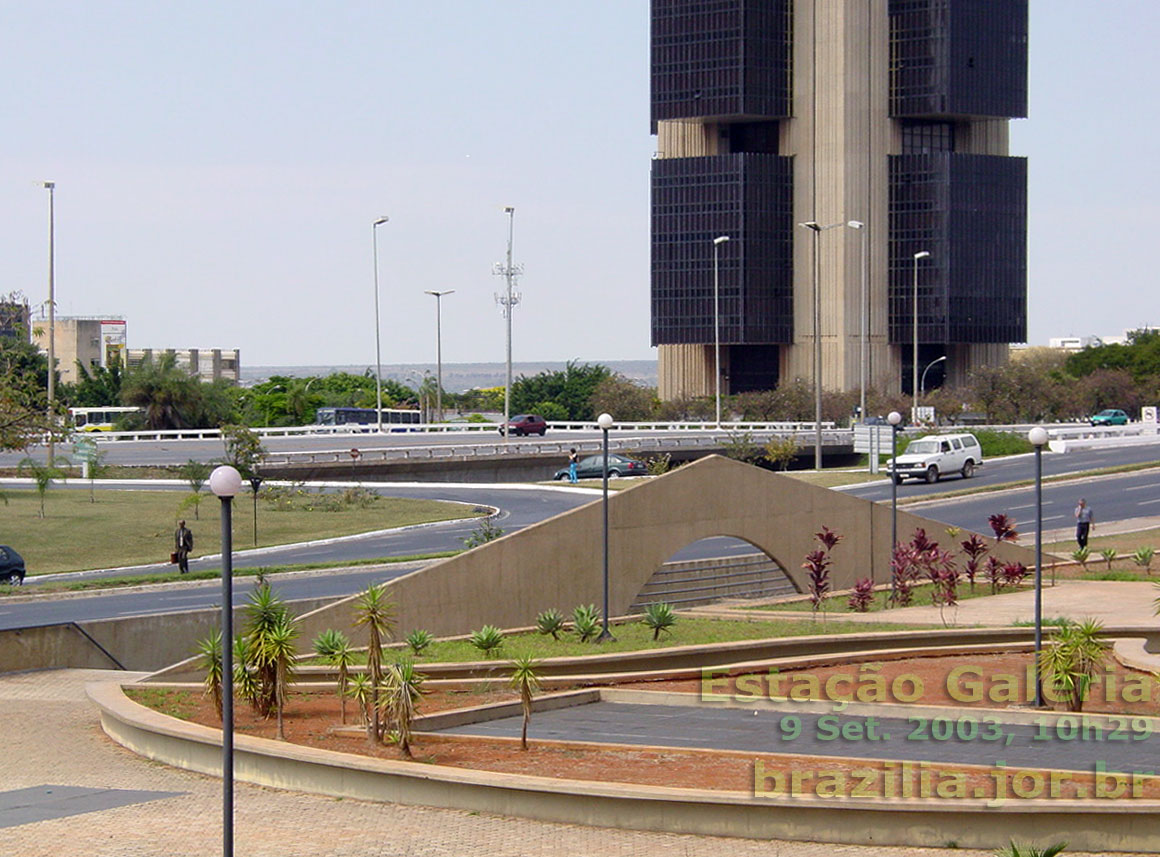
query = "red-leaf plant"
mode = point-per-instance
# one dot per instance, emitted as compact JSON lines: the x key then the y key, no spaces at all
{"x":862,"y":596}
{"x":975,"y":549}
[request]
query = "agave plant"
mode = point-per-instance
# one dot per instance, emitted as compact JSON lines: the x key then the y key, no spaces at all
{"x":1081,"y":556}
{"x":333,"y":647}
{"x":526,"y":680}
{"x":264,"y":612}
{"x":550,"y":622}
{"x":659,"y":617}
{"x":209,"y":655}
{"x":418,"y":640}
{"x":1143,"y":558}
{"x":404,"y":687}
{"x":487,"y":639}
{"x":359,"y":689}
{"x":586,"y":622}
{"x":1072,"y":660}
{"x":1109,"y":556}
{"x":1014,"y":850}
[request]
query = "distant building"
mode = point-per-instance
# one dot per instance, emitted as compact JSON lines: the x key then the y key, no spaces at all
{"x":15,"y":318}
{"x":209,"y":364}
{"x":891,"y":114}
{"x":90,"y":340}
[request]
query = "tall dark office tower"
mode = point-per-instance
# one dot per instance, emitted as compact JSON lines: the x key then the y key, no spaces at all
{"x":891,"y":114}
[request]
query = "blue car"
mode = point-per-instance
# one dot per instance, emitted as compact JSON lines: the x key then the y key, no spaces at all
{"x":1110,"y":417}
{"x":11,"y":567}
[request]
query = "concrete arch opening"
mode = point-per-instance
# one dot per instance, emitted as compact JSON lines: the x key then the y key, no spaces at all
{"x":715,"y":568}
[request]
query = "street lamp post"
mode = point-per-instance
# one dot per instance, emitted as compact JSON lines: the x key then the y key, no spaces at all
{"x":717,"y":242}
{"x":51,"y":188}
{"x":605,"y":423}
{"x":921,"y":254}
{"x":226,"y":482}
{"x":1038,"y":437}
{"x":894,"y":418}
{"x":863,"y":328}
{"x":439,"y":348}
{"x":378,"y":350}
{"x":922,"y":386}
{"x":814,"y":227}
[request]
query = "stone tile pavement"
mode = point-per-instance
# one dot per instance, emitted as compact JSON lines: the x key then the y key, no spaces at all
{"x":52,"y":736}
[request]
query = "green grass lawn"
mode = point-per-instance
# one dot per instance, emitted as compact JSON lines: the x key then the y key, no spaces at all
{"x":634,"y":636}
{"x":136,"y":527}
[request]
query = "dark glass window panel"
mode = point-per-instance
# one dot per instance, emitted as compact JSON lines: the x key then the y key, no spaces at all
{"x":721,"y":59}
{"x":748,"y":197}
{"x":970,"y":213}
{"x":925,"y":138}
{"x":958,"y":58}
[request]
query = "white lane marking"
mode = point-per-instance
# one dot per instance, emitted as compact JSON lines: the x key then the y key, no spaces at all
{"x":1143,"y":488}
{"x":1053,"y":518}
{"x":1017,"y":508}
{"x":1147,"y":502}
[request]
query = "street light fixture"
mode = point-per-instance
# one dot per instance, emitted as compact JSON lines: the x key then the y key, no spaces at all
{"x":1038,"y":437}
{"x":378,"y":350}
{"x":439,"y":347}
{"x":814,"y":227}
{"x":605,"y":423}
{"x":51,"y":188}
{"x":863,"y":330}
{"x":922,"y":386}
{"x":921,"y":254}
{"x":226,"y":482}
{"x":717,"y":242}
{"x":894,"y":418}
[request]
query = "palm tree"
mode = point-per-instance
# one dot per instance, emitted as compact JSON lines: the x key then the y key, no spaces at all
{"x":404,"y":687}
{"x":278,"y":651}
{"x":360,"y":689}
{"x":209,"y":653}
{"x":376,"y":612}
{"x":526,"y":680}
{"x":334,"y":648}
{"x":170,"y":396}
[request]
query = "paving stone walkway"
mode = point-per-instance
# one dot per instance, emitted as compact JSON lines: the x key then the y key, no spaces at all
{"x":127,"y":806}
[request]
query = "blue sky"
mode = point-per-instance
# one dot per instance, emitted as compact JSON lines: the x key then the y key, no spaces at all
{"x":218,"y":167}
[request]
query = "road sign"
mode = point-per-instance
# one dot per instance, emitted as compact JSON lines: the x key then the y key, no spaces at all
{"x":85,"y":449}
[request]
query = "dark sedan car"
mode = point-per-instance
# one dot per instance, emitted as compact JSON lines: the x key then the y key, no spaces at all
{"x":592,"y":467}
{"x":11,"y":567}
{"x":526,"y":424}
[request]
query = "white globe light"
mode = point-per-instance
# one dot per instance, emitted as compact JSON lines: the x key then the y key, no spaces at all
{"x":1037,"y":436}
{"x":894,"y":418}
{"x":604,"y":421}
{"x":225,"y":481}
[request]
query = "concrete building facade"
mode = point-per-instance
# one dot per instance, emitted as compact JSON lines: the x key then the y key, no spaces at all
{"x":892,"y":114}
{"x":91,"y":341}
{"x":209,"y":364}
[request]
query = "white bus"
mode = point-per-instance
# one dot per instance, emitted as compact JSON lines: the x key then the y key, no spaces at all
{"x":99,"y":419}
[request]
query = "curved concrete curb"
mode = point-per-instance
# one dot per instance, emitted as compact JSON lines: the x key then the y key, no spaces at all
{"x":1127,"y":825}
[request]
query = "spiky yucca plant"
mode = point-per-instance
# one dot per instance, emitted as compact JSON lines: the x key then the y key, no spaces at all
{"x":659,"y":617}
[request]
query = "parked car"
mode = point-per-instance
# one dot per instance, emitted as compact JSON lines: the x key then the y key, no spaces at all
{"x":592,"y":467}
{"x":526,"y":424}
{"x":931,"y":456}
{"x":1110,"y":417}
{"x":11,"y":566}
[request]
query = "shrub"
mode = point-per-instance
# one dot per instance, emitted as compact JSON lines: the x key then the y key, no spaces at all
{"x":780,"y":451}
{"x":862,"y":596}
{"x":486,"y":532}
{"x":418,"y":640}
{"x":1003,"y":526}
{"x":1081,"y":556}
{"x":975,"y":549}
{"x":659,"y":465}
{"x":550,"y":622}
{"x":1143,"y":558}
{"x":487,"y":639}
{"x":586,"y":622}
{"x":1002,"y":442}
{"x":1072,"y":659}
{"x":659,"y":617}
{"x":1109,"y":555}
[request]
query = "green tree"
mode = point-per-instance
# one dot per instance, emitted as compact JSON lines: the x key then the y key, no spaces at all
{"x":526,"y":679}
{"x":277,"y":652}
{"x":194,"y":473}
{"x":571,"y":388}
{"x":375,"y":611}
{"x":403,"y":689}
{"x":624,"y":399}
{"x":266,"y":617}
{"x":95,"y":387}
{"x":24,"y":418}
{"x":43,"y":474}
{"x":244,"y":450}
{"x":170,"y":397}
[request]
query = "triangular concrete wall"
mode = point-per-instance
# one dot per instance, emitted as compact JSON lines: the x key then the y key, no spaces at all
{"x":559,"y":562}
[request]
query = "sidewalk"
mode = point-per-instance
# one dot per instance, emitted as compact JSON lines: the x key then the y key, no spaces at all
{"x":55,"y":740}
